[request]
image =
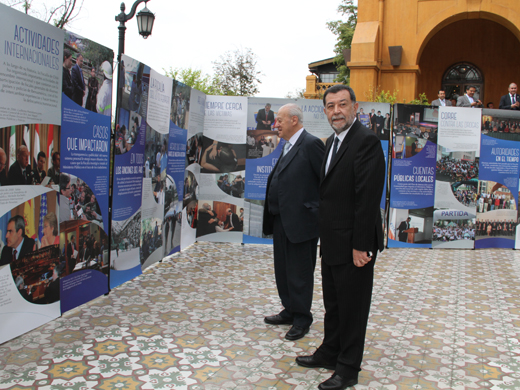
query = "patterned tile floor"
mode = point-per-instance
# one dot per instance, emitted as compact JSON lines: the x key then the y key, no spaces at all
{"x":440,"y":319}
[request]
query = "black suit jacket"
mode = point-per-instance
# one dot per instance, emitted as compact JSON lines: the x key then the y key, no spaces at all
{"x":262,"y":117}
{"x":298,"y":192}
{"x":350,"y":195}
{"x":78,"y":84}
{"x":505,"y":102}
{"x":15,"y":175}
{"x":7,"y":252}
{"x":235,"y":220}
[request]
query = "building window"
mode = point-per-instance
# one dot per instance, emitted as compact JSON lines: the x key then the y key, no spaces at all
{"x":460,"y":76}
{"x":328,"y":77}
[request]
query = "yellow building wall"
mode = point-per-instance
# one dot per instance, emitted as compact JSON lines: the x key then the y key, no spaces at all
{"x":434,"y":34}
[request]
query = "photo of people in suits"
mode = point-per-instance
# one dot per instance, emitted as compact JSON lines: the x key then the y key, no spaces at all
{"x":88,"y":73}
{"x":29,"y":247}
{"x":28,"y":162}
{"x":501,"y":124}
{"x":261,"y":143}
{"x":218,"y":217}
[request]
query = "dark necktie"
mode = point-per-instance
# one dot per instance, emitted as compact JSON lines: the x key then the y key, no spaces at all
{"x":513,"y":99}
{"x":334,"y":150}
{"x":14,"y":254}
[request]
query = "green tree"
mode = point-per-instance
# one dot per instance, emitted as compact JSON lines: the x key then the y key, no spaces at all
{"x":237,"y":72}
{"x":344,"y":32}
{"x":60,"y":13}
{"x":196,"y":79}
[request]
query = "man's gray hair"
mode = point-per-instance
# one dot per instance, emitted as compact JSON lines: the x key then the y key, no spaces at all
{"x":294,"y":110}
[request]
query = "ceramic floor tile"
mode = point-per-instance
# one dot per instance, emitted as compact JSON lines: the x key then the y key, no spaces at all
{"x":439,"y":320}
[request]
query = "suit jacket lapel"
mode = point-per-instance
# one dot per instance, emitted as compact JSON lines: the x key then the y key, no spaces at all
{"x":294,"y":149}
{"x":344,"y":146}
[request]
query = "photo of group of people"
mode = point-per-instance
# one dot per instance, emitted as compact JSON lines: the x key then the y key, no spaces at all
{"x":453,"y":230}
{"x":496,"y":211}
{"x":84,"y":247}
{"x":466,"y":192}
{"x":421,"y":131}
{"x":37,"y":275}
{"x":87,"y":74}
{"x":180,"y":106}
{"x":373,"y":118}
{"x":151,"y":237}
{"x":24,"y":155}
{"x":126,"y":236}
{"x":29,"y":245}
{"x":77,"y":201}
{"x":127,"y":131}
{"x":219,"y":217}
{"x":261,"y":143}
{"x":501,"y":124}
{"x":134,"y":82}
{"x":231,"y":183}
{"x":457,"y":166}
{"x":495,"y":228}
{"x":172,"y":232}
{"x":221,"y":157}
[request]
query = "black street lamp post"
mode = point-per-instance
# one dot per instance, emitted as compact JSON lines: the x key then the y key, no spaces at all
{"x":145,"y":20}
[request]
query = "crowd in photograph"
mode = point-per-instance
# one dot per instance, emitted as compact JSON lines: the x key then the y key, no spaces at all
{"x":495,"y":228}
{"x":494,"y":125}
{"x":489,"y":202}
{"x":467,"y":197}
{"x":457,"y":169}
{"x":453,"y":231}
{"x":125,"y":138}
{"x":151,"y":240}
{"x":129,"y":235}
{"x":417,"y":131}
{"x":77,"y":201}
{"x":259,"y":146}
{"x":179,"y":110}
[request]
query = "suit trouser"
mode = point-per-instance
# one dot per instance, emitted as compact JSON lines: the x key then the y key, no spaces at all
{"x":347,"y":293}
{"x":294,"y":266}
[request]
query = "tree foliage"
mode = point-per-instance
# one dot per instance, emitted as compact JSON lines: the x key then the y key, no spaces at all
{"x":237,"y":73}
{"x":298,"y":93}
{"x":60,"y":15}
{"x":344,"y":32}
{"x":196,"y":79}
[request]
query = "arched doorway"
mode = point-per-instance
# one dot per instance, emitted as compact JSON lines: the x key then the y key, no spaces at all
{"x":460,"y":76}
{"x":496,"y":60}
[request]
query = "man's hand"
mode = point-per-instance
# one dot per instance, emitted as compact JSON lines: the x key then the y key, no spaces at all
{"x":360,"y":258}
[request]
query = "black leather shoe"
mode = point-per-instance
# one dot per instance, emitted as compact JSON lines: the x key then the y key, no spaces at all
{"x":313,"y":361}
{"x":277,"y":319}
{"x":296,"y":333}
{"x":336,"y":382}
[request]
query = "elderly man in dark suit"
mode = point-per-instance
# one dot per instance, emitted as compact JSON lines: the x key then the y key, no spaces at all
{"x":20,"y":172}
{"x":18,"y":244}
{"x":511,"y":100}
{"x":265,"y":118}
{"x":352,"y":180}
{"x":78,"y":81}
{"x":291,"y":215}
